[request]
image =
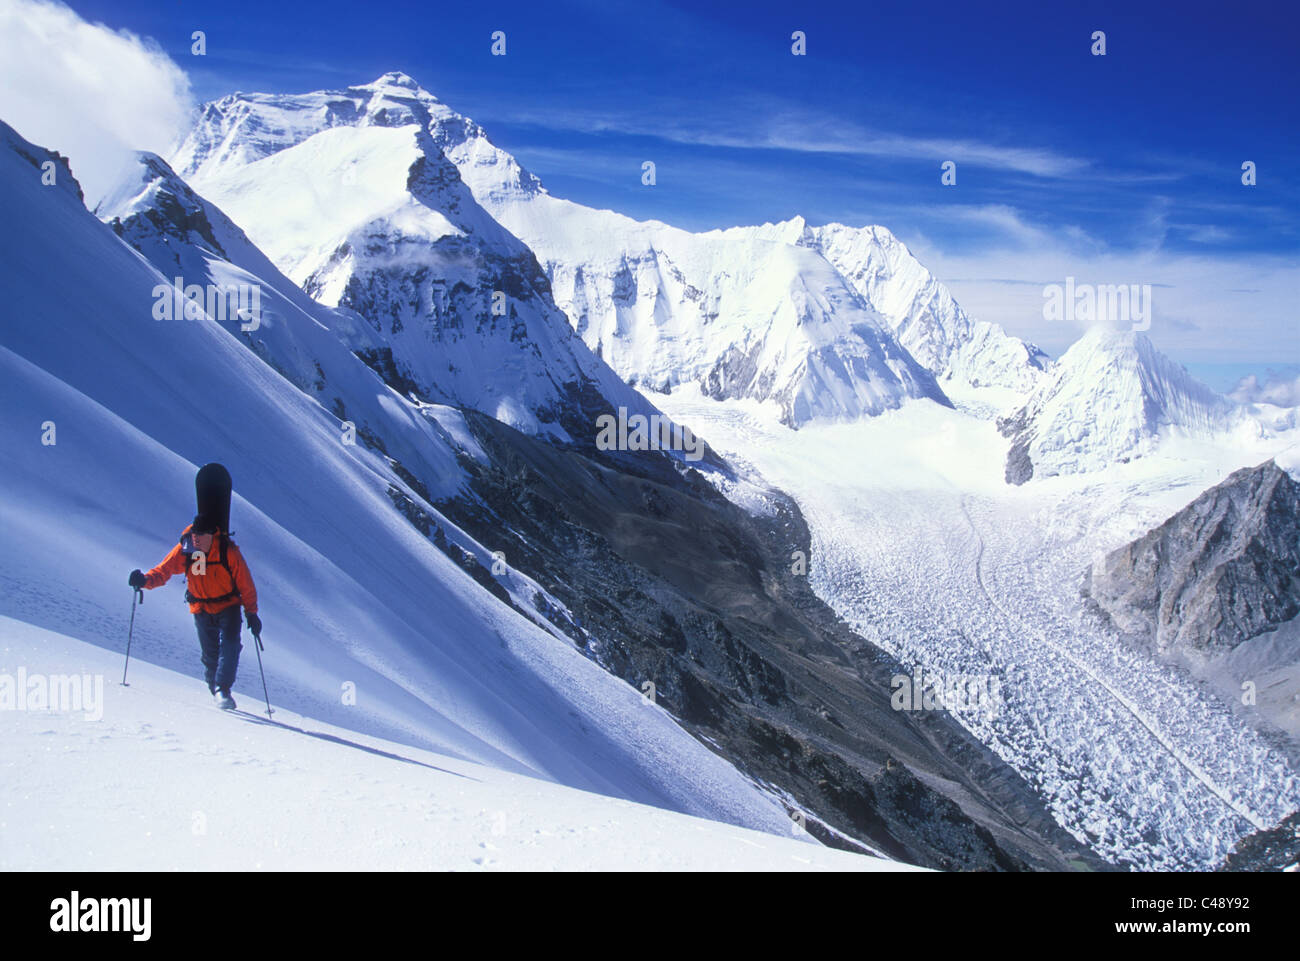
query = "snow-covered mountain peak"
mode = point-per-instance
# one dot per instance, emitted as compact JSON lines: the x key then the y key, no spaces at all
{"x":131,"y":192}
{"x":1131,"y":356}
{"x":742,"y":312}
{"x":404,"y":81}
{"x":670,"y":304}
{"x":919,"y":310}
{"x":352,"y":196}
{"x":153,"y":192}
{"x":796,"y":231}
{"x":873,"y":234}
{"x":243,"y":128}
{"x":1107,"y":400}
{"x":765,"y":318}
{"x":927,"y":319}
{"x":39,"y":158}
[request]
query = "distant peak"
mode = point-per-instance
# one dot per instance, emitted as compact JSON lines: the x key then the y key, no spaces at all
{"x":1113,"y":337}
{"x":395,"y":78}
{"x":798,"y":229}
{"x":155,"y":165}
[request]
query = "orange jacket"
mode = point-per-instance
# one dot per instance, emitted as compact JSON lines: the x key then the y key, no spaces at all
{"x":214,"y":582}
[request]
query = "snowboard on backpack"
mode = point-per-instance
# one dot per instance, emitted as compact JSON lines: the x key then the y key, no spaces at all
{"x":212,"y":494}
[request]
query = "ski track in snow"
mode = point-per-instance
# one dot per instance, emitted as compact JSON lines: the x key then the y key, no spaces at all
{"x":1130,"y":756}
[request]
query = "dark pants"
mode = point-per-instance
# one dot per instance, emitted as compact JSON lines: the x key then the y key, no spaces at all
{"x":219,"y":640}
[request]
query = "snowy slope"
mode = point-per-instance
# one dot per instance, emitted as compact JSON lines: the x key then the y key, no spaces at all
{"x":351,"y":197}
{"x":178,"y":784}
{"x":1107,"y":400}
{"x":188,"y":239}
{"x":742,"y":316}
{"x":351,"y":592}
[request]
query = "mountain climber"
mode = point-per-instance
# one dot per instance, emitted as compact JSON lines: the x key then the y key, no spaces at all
{"x":217,"y":582}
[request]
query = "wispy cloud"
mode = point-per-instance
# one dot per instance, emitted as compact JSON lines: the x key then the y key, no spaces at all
{"x":834,"y":135}
{"x":1279,"y":389}
{"x":1199,"y":313}
{"x":765,"y":124}
{"x":92,"y":93}
{"x":1206,"y":233}
{"x":1000,"y":218}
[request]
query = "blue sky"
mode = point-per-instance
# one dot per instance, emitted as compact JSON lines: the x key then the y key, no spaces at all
{"x":1120,"y":169}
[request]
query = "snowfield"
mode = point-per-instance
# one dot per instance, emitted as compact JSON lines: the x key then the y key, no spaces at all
{"x":164,"y":781}
{"x":920,"y":545}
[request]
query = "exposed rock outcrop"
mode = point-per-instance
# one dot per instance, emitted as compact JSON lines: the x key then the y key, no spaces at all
{"x":1224,"y":569}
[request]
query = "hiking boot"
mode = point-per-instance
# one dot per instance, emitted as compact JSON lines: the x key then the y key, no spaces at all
{"x":225,"y":701}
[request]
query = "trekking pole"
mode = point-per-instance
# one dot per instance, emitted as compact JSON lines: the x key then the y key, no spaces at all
{"x":129,"y":631}
{"x":266,"y":696}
